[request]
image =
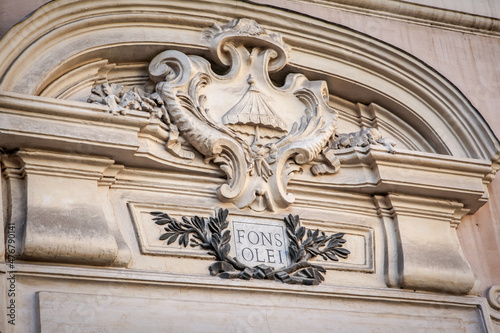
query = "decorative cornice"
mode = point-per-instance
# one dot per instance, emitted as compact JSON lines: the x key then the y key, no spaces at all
{"x":382,"y":171}
{"x":130,"y":276}
{"x":409,"y":12}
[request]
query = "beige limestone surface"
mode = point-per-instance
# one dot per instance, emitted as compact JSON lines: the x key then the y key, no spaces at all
{"x":467,"y":59}
{"x":489,"y":8}
{"x":470,"y":61}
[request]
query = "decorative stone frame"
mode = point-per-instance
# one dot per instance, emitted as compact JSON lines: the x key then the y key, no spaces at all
{"x":49,"y":132}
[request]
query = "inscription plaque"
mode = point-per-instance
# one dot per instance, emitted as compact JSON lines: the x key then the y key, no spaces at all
{"x":258,"y":243}
{"x":262,"y":250}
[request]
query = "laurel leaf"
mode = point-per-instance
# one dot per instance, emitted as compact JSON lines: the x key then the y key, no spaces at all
{"x":293,"y":253}
{"x":196,"y":222}
{"x":289,"y":223}
{"x":166,"y":235}
{"x":214,"y":228}
{"x":320,"y":268}
{"x":307,"y":241}
{"x":343,"y":251}
{"x":226,"y":237}
{"x":172,"y":239}
{"x":314,"y":251}
{"x":216,"y":238}
{"x":341,"y":254}
{"x":331,"y":256}
{"x":202,"y":224}
{"x":300,"y":254}
{"x":186,"y":223}
{"x":225,"y":250}
{"x":160,"y":215}
{"x":161,"y":222}
{"x":185,"y":239}
{"x":333,"y":243}
{"x":315,"y":234}
{"x":300,"y":233}
{"x":223,"y":213}
{"x":321,"y":238}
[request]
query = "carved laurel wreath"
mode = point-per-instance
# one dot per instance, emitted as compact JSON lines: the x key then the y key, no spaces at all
{"x":211,"y":234}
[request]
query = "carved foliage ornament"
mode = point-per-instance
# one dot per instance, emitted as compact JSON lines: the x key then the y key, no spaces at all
{"x":211,"y":234}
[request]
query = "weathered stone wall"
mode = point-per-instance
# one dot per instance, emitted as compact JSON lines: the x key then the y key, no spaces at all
{"x":459,"y":40}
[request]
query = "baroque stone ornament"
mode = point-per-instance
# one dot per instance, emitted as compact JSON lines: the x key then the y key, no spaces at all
{"x":361,"y":138}
{"x":260,"y":134}
{"x":211,"y":234}
{"x":120,"y":100}
{"x":494,"y":297}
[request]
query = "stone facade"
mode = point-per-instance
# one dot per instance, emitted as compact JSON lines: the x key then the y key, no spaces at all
{"x":210,"y":165}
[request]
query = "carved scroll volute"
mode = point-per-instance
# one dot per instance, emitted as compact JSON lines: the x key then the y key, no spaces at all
{"x":250,"y":34}
{"x":307,"y":137}
{"x":258,"y":133}
{"x":181,"y":77}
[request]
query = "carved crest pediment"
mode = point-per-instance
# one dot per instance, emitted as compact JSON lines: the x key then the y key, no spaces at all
{"x":259,"y":133}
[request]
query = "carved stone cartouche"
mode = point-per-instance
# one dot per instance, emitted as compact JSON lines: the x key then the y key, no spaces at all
{"x":258,"y":133}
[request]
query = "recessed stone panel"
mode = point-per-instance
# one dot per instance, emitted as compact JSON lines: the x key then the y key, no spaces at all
{"x":258,"y":311}
{"x":268,"y":234}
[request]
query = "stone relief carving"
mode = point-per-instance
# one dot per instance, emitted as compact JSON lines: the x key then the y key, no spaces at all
{"x":258,"y":133}
{"x":494,"y":297}
{"x":211,"y":234}
{"x":120,"y":100}
{"x":361,"y":138}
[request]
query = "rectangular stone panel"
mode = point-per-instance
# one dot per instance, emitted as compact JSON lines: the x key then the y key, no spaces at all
{"x":254,"y":239}
{"x":360,"y":242}
{"x":148,"y":233}
{"x":254,"y":312}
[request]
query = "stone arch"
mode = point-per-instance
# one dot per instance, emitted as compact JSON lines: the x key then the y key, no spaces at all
{"x":56,"y":49}
{"x":445,"y":156}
